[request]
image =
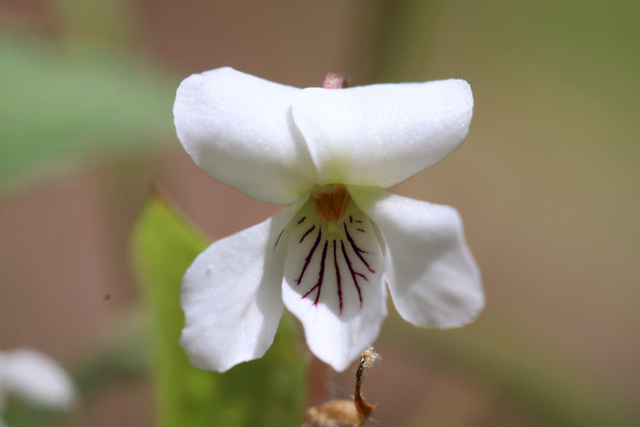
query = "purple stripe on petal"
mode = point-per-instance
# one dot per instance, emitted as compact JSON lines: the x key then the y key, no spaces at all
{"x":338,"y":278}
{"x":354,"y":275}
{"x":308,"y":258}
{"x":313,"y":227}
{"x":357,"y":250}
{"x":320,"y":275}
{"x":278,"y":240}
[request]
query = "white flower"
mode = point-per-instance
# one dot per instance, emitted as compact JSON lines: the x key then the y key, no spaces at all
{"x":329,"y":153}
{"x":35,"y":377}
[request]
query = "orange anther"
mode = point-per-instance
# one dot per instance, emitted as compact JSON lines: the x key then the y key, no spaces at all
{"x":331,"y":201}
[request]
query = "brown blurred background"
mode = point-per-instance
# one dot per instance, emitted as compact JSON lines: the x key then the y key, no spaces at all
{"x":547,"y":182}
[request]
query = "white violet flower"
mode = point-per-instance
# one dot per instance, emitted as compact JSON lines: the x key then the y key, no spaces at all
{"x":34,"y":377}
{"x":329,"y":154}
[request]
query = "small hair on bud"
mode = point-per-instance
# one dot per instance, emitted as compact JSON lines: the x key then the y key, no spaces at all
{"x":368,"y":358}
{"x":334,"y":81}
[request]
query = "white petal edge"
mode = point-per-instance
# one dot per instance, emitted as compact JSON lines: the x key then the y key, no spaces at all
{"x":231,"y":295}
{"x":238,"y":128}
{"x":382,"y":134}
{"x":36,"y":377}
{"x":432,"y":276}
{"x":335,"y":336}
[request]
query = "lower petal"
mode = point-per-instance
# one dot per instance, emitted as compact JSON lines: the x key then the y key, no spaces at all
{"x":433,"y":279}
{"x":231,"y":296}
{"x":333,"y":283}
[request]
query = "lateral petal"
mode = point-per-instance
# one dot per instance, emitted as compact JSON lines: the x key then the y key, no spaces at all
{"x":433,"y":279}
{"x":382,"y":134}
{"x":238,"y":128}
{"x":333,"y":283}
{"x":231,"y":295}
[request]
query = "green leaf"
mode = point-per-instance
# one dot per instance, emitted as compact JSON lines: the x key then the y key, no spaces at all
{"x":266,"y":392}
{"x":60,"y":106}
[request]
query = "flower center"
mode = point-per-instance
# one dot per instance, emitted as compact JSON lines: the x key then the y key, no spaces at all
{"x":331,"y":201}
{"x":333,"y":243}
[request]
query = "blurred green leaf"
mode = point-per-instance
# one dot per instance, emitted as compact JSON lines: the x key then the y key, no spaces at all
{"x":590,"y":44}
{"x":61,"y":106}
{"x":265,"y":392}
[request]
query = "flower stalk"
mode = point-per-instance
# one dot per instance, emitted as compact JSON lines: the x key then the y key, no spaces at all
{"x":347,"y":412}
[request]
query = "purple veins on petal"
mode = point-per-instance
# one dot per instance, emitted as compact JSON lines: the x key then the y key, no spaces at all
{"x":313,"y":227}
{"x":308,"y":258}
{"x":278,"y":240}
{"x":338,"y":278}
{"x":357,"y":250}
{"x":320,"y":275}
{"x":348,"y":245}
{"x":354,"y":274}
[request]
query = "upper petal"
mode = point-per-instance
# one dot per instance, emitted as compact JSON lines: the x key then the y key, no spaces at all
{"x":36,"y":377}
{"x":231,"y":296}
{"x":433,"y":279}
{"x":238,"y":128}
{"x":382,"y":134}
{"x":333,"y":283}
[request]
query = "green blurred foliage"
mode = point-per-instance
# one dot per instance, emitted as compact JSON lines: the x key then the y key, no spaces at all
{"x":61,"y":105}
{"x":266,"y":392}
{"x":591,"y":44}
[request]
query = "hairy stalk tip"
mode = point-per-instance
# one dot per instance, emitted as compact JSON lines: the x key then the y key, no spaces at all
{"x":346,"y":412}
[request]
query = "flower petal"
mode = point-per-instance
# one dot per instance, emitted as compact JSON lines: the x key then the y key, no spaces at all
{"x":238,"y":128}
{"x":382,"y":134}
{"x":231,"y":295}
{"x":333,"y":283}
{"x":432,"y":276}
{"x":36,"y":377}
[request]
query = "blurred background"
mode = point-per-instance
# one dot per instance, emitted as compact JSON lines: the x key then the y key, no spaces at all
{"x":547,"y":183}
